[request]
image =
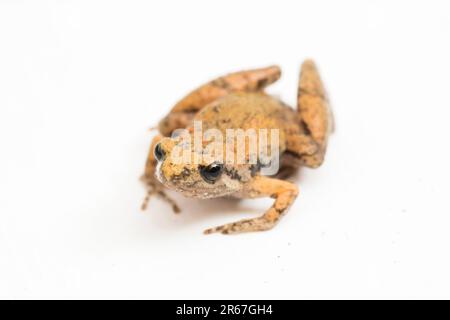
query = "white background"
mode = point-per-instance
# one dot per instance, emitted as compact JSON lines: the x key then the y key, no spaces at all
{"x":82,"y":81}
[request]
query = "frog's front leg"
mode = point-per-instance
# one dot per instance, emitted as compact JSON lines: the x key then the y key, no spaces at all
{"x":154,"y":187}
{"x":284,"y":193}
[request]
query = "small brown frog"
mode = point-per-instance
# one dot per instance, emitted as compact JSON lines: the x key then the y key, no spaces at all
{"x":238,"y":101}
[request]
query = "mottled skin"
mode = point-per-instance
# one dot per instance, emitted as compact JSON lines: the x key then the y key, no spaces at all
{"x":238,"y":101}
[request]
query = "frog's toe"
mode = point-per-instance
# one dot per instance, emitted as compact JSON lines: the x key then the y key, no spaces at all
{"x":225,"y":229}
{"x":215,"y":230}
{"x":247,"y":225}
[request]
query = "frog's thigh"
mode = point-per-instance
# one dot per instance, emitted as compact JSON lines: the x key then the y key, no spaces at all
{"x":284,"y":193}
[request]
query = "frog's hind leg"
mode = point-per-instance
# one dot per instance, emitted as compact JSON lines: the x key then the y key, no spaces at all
{"x":244,"y":81}
{"x":316,"y":118}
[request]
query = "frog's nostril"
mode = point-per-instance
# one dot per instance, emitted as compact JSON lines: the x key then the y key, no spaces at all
{"x":159,"y":152}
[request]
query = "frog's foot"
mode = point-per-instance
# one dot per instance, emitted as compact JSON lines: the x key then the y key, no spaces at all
{"x":284,"y":193}
{"x":153,"y":188}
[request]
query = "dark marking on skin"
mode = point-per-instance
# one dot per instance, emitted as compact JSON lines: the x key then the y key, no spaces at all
{"x":215,"y":108}
{"x":311,"y":93}
{"x":264,"y":165}
{"x":293,"y":154}
{"x":261,"y":83}
{"x":185,"y":172}
{"x":305,"y":128}
{"x":247,"y":117}
{"x":280,"y":211}
{"x":254,"y":169}
{"x":191,"y":109}
{"x":193,"y":184}
{"x":183,"y":175}
{"x":232,"y":173}
{"x":221,"y":83}
{"x":285,"y":172}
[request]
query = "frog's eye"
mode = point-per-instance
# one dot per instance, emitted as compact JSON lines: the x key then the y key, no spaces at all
{"x":212,"y":172}
{"x":159,"y":152}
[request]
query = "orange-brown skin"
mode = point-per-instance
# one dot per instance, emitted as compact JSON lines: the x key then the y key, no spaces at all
{"x":244,"y":81}
{"x":237,"y":101}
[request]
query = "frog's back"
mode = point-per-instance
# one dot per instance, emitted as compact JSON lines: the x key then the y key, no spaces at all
{"x":249,"y":110}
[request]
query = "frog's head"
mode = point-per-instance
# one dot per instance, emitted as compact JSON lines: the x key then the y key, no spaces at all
{"x":186,"y":170}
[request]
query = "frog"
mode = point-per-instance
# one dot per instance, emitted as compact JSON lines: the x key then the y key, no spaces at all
{"x":238,"y":101}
